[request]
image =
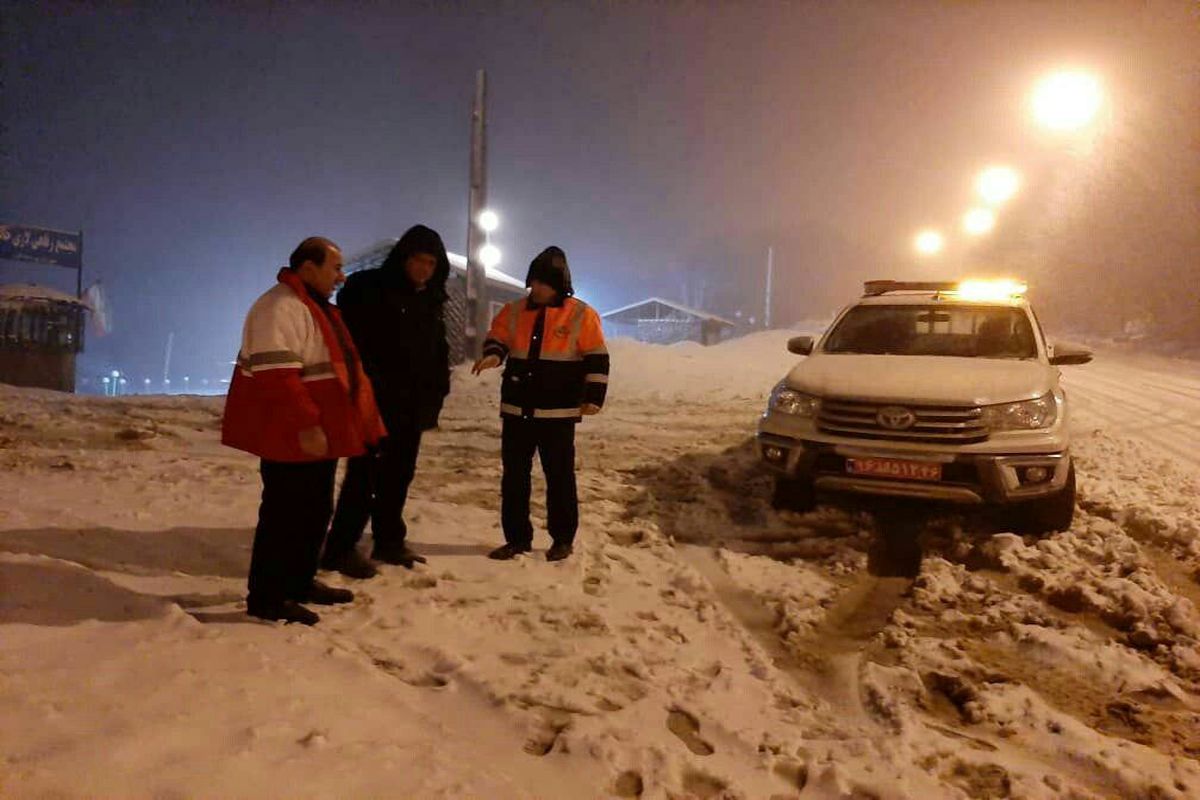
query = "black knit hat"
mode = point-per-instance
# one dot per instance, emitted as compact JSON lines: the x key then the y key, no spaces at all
{"x":550,"y":267}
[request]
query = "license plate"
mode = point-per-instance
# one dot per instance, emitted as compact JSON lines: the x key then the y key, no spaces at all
{"x":895,"y":468}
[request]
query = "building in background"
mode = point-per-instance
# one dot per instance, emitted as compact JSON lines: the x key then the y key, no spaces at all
{"x":41,"y":332}
{"x":501,"y":287}
{"x":661,"y":321}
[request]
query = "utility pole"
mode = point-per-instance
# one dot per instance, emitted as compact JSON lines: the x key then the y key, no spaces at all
{"x":477,"y":295}
{"x":770,"y":275}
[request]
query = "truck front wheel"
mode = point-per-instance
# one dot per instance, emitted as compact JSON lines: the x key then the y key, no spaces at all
{"x":1048,"y":514}
{"x":793,"y":494}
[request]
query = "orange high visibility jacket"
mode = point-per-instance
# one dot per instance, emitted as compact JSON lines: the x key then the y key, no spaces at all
{"x":556,"y":356}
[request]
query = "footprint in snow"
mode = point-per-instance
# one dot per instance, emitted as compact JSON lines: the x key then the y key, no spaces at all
{"x":687,"y":728}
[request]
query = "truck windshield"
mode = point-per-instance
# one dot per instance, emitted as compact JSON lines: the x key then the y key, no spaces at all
{"x":929,"y":330}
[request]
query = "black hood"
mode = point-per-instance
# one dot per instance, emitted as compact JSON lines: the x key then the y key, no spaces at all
{"x":550,"y":267}
{"x":418,"y":239}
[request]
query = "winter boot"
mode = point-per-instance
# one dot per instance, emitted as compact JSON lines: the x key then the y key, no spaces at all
{"x":325,"y":595}
{"x":281,"y":610}
{"x":558,"y":551}
{"x":399,"y":555}
{"x":507,"y":551}
{"x":352,"y":564}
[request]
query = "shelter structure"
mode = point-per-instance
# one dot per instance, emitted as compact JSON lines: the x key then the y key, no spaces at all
{"x":41,"y":332}
{"x":501,"y":287}
{"x":662,"y":321}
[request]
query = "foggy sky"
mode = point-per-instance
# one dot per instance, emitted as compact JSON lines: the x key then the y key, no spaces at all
{"x":663,"y":145}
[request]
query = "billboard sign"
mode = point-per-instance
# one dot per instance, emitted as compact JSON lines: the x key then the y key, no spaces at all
{"x":43,"y":245}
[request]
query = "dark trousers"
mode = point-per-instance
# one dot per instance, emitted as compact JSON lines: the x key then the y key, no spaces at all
{"x":376,"y":488}
{"x":554,"y":442}
{"x":297,"y":500}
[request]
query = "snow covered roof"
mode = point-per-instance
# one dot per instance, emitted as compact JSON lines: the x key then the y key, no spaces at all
{"x":670,"y":304}
{"x":31,"y":291}
{"x":374,"y":255}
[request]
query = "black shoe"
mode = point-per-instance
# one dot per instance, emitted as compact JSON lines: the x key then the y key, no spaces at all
{"x":507,"y":551}
{"x":558,"y":552}
{"x":400,"y":556}
{"x":281,"y":610}
{"x":352,"y":564}
{"x":325,"y":595}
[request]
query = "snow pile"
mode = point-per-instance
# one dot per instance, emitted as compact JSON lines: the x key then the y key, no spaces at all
{"x":697,"y":645}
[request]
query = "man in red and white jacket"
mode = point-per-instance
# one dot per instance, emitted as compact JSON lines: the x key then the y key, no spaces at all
{"x":299,"y":400}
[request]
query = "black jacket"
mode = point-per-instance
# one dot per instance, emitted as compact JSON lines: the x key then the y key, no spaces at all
{"x":400,"y":332}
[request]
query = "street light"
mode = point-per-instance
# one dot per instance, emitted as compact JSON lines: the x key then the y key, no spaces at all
{"x":488,"y":220}
{"x":489,"y":255}
{"x":979,"y":221}
{"x":1067,"y":100}
{"x":929,"y":242}
{"x":996,"y":185}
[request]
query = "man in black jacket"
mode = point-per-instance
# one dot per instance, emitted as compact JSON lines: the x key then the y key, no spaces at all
{"x":394,"y":314}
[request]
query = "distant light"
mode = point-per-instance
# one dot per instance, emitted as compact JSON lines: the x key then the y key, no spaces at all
{"x":929,"y":242}
{"x":488,"y":220}
{"x":1067,"y":101}
{"x":979,"y":221}
{"x":106,"y":379}
{"x":166,"y":381}
{"x":489,"y":255}
{"x":147,"y":381}
{"x":186,"y":378}
{"x":116,"y":373}
{"x":996,"y":185}
{"x":123,"y":381}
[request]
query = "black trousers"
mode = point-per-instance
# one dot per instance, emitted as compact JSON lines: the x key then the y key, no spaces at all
{"x":297,"y":501}
{"x":376,"y":488}
{"x":554,"y":442}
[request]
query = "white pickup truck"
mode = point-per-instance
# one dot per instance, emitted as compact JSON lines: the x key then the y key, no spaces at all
{"x":931,"y":390}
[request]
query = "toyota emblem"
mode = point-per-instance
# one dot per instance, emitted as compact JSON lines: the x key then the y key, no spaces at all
{"x":896,"y":418}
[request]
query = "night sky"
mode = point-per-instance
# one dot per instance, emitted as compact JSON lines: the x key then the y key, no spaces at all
{"x":663,"y":145}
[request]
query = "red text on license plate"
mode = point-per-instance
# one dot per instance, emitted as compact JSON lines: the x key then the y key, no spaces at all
{"x":895,"y":468}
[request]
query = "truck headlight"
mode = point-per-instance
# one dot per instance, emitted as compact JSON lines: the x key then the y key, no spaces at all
{"x":1024,"y":416}
{"x":789,"y":401}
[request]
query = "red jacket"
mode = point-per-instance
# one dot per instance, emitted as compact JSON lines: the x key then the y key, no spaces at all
{"x":293,"y":373}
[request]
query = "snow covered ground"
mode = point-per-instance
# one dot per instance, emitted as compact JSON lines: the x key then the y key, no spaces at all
{"x":698,"y":644}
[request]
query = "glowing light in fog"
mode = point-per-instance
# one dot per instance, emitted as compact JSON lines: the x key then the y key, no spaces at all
{"x":488,"y":220}
{"x":1002,"y":289}
{"x":929,"y":242}
{"x":1067,"y":101}
{"x":997,"y":184}
{"x":979,"y":221}
{"x":489,"y":255}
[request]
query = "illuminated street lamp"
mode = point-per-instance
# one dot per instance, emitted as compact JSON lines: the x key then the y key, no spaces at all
{"x":929,"y":242}
{"x":488,"y":220}
{"x":489,"y":255}
{"x":1067,"y":100}
{"x":979,"y":221}
{"x":996,"y":185}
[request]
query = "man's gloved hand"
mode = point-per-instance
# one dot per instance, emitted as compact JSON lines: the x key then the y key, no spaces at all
{"x":487,"y":362}
{"x":313,"y":442}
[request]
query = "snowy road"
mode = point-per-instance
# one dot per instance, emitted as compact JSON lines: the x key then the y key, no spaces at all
{"x":698,"y":644}
{"x":1153,"y":400}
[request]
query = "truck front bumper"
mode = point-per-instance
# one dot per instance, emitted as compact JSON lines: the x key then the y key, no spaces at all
{"x":968,"y":478}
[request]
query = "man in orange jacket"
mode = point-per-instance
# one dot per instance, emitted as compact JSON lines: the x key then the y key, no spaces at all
{"x":557,"y":373}
{"x":299,"y":401}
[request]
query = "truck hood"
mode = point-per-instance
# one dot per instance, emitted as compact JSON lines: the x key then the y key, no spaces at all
{"x":923,"y":379}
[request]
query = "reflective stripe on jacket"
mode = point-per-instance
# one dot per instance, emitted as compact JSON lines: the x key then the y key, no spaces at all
{"x":557,"y":360}
{"x":297,"y":368}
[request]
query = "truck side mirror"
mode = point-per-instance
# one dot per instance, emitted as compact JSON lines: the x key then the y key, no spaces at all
{"x":800,"y":345}
{"x":1070,"y":354}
